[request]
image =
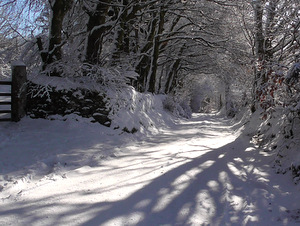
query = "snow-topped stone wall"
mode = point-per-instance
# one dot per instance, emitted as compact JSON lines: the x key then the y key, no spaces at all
{"x":44,"y":101}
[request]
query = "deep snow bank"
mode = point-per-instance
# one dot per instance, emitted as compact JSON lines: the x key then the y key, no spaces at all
{"x":276,"y":135}
{"x":45,"y":149}
{"x":132,"y":111}
{"x":114,"y":104}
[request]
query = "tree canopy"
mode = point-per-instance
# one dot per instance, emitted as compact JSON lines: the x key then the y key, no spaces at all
{"x":247,"y":47}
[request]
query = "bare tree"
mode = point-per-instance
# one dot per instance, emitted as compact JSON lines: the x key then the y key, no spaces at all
{"x":96,"y":29}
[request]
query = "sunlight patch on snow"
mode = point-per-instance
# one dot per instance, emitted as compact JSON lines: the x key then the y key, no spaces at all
{"x":237,"y":205}
{"x":237,"y":202}
{"x":142,"y":204}
{"x":263,"y":153}
{"x":213,"y":185}
{"x":76,"y":219}
{"x":131,"y":219}
{"x":168,"y":195}
{"x":178,"y":186}
{"x":205,"y":208}
{"x":250,"y":159}
{"x":221,"y":156}
{"x":250,"y":149}
{"x":259,"y":172}
{"x":249,"y":211}
{"x":238,"y":159}
{"x":250,"y":219}
{"x":263,"y":180}
{"x":186,"y":152}
{"x":184,"y":212}
{"x":239,"y":173}
{"x":224,"y":179}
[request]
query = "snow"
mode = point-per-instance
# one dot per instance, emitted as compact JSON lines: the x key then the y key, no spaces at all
{"x":198,"y":171}
{"x":64,"y":83}
{"x":18,"y":63}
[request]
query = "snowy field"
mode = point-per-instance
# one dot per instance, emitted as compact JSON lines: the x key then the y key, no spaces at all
{"x":194,"y":172}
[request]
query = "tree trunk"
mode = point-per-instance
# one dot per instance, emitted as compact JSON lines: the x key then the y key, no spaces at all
{"x":263,"y":46}
{"x":143,"y":66}
{"x":96,"y":29}
{"x":59,"y":10}
{"x":259,"y":76}
{"x":229,"y":106}
{"x":268,"y":29}
{"x":151,"y":86}
{"x":171,"y":76}
{"x":172,"y":73}
{"x":122,"y":38}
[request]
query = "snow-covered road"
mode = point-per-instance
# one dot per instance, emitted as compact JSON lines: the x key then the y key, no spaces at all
{"x":198,"y":172}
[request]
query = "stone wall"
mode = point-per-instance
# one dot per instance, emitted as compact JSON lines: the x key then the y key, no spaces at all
{"x":46,"y":101}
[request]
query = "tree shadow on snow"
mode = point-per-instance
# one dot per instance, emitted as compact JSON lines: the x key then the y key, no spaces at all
{"x":221,"y":191}
{"x":228,"y":185}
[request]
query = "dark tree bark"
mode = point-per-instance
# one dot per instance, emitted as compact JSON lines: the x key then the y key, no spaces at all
{"x":259,"y":52}
{"x":143,"y":65}
{"x":122,"y":41}
{"x":127,"y":18}
{"x":53,"y":52}
{"x":96,"y":29}
{"x":172,"y":73}
{"x":155,"y":55}
{"x":263,"y":46}
{"x":59,"y":9}
{"x":171,"y":76}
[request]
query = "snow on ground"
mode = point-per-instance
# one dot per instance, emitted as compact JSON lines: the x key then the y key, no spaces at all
{"x":194,"y":172}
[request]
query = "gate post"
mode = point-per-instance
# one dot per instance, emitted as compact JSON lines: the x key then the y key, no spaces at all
{"x":18,"y":91}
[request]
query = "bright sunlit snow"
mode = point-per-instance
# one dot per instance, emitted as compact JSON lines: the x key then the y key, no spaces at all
{"x":149,"y":113}
{"x":194,"y":172}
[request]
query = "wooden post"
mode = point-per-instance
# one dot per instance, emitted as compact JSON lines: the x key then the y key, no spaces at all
{"x":18,"y":90}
